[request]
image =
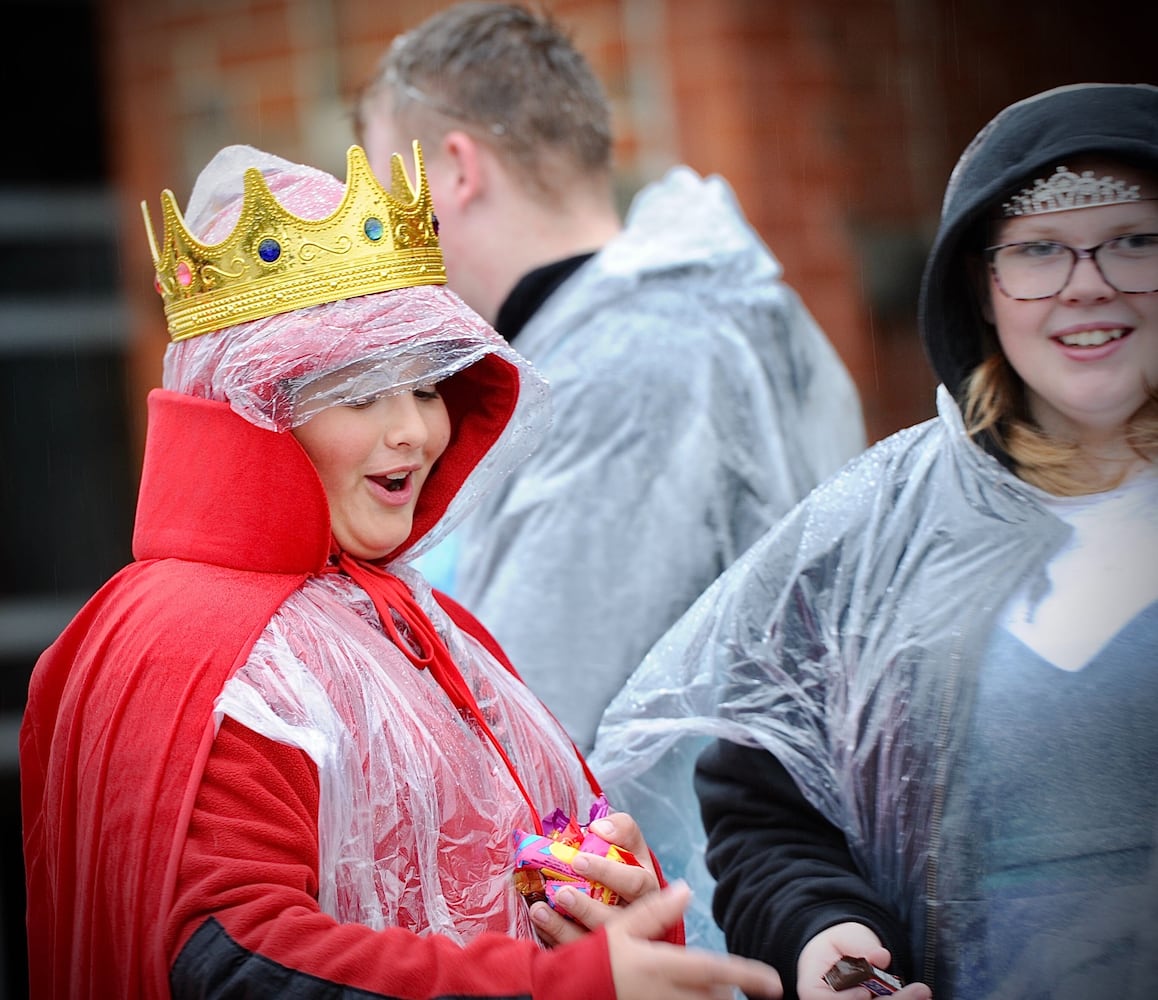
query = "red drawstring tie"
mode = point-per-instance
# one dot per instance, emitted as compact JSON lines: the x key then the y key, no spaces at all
{"x":414,"y":634}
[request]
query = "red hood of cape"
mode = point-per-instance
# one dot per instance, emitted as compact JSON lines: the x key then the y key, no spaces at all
{"x":217,"y":489}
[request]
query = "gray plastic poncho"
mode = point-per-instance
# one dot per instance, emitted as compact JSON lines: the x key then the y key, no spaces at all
{"x":824,"y":630}
{"x":695,"y":400}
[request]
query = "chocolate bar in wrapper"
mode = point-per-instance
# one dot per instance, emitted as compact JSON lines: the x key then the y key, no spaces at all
{"x":849,"y":971}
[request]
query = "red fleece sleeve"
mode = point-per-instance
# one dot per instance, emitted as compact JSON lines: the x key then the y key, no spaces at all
{"x":250,"y":862}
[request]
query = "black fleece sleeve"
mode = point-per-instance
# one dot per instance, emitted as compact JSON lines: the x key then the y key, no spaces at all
{"x":783,"y":872}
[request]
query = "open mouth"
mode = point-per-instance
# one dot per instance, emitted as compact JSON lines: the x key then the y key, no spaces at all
{"x":394,"y":482}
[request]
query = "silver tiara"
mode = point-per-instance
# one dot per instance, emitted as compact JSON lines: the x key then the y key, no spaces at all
{"x":1066,"y":190}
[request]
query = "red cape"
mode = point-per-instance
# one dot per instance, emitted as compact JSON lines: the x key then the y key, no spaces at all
{"x":122,"y":701}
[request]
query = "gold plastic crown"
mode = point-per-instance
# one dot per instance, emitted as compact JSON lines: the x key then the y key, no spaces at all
{"x":275,"y":262}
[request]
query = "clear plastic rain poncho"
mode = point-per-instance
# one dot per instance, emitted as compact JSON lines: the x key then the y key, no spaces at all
{"x":845,"y":642}
{"x":417,"y":811}
{"x":695,"y":400}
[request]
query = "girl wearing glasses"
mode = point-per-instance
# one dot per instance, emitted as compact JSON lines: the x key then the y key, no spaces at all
{"x":933,"y":685}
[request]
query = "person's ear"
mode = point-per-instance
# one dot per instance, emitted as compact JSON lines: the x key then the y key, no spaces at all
{"x":979,"y":280}
{"x":466,"y":173}
{"x":985,"y":304}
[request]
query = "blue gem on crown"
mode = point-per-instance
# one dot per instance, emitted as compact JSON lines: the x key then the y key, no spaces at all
{"x":373,"y":229}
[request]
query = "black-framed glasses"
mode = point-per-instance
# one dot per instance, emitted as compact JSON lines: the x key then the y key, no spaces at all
{"x":1039,"y":269}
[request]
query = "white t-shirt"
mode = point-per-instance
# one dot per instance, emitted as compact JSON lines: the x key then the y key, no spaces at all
{"x":1105,"y":575}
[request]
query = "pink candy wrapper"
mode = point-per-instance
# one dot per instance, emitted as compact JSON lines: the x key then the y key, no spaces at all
{"x":543,"y":863}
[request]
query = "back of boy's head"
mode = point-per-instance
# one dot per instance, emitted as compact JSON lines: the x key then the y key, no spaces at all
{"x":510,"y":76}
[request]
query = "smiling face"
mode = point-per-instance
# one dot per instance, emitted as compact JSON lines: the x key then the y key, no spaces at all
{"x":1088,"y":353}
{"x":373,"y":459}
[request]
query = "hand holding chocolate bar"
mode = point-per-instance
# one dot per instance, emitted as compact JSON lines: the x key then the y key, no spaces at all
{"x":848,"y":955}
{"x":849,"y":971}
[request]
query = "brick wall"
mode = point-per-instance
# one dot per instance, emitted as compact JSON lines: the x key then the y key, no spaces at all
{"x":836,"y":121}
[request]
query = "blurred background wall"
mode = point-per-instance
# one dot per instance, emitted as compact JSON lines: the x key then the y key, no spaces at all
{"x":836,"y":121}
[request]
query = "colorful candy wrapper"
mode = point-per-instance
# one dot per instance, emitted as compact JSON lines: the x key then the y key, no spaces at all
{"x":543,"y":863}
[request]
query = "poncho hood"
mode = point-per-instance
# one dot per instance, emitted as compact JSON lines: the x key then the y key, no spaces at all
{"x":249,"y":498}
{"x":1026,"y":139}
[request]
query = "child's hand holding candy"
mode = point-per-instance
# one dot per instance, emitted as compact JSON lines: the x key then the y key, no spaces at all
{"x":581,"y":873}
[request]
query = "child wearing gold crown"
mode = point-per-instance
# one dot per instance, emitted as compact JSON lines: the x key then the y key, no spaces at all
{"x":937,"y":678}
{"x":266,"y":759}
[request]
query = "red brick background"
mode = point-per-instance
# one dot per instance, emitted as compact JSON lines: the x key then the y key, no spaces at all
{"x":836,"y":121}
